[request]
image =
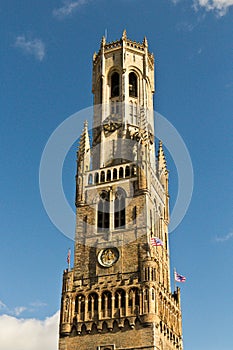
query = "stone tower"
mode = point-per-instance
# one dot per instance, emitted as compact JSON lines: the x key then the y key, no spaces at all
{"x":118,"y":295}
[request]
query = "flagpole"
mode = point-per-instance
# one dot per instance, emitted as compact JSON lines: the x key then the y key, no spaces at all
{"x":174,"y":279}
{"x":68,"y":259}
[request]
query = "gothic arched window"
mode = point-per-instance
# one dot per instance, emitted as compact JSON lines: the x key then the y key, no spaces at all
{"x":103,"y":211}
{"x":114,"y":173}
{"x":115,"y":84}
{"x":134,"y":298}
{"x":121,"y":173}
{"x":119,"y":209}
{"x":90,"y":179}
{"x":96,"y":178}
{"x":133,"y":85}
{"x":109,"y":175}
{"x":106,"y":304}
{"x":80,"y":305}
{"x":92,"y":304}
{"x":102,"y":176}
{"x":127,"y":171}
{"x":120,"y":299}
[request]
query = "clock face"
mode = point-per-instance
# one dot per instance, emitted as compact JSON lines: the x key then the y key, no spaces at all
{"x":110,"y":127}
{"x":111,"y":123}
{"x":107,"y":257}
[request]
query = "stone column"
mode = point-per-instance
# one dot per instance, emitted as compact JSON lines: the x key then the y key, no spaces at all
{"x":99,"y":308}
{"x":126,"y":303}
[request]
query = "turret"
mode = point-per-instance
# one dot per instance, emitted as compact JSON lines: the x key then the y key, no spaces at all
{"x":163,"y":174}
{"x":83,"y":163}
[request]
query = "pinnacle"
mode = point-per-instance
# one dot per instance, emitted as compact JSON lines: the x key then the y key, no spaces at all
{"x":124,"y":34}
{"x":145,"y":42}
{"x":103,"y":41}
{"x":161,"y":157}
{"x":84,"y":144}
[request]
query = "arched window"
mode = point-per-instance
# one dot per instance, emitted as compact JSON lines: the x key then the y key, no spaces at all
{"x":106,"y":304}
{"x":92,"y":304}
{"x":114,"y":174}
{"x":146,"y":300}
{"x":120,"y":299}
{"x":134,"y":299}
{"x":80,"y":306}
{"x":109,"y":175}
{"x":90,"y":179}
{"x":134,"y":215}
{"x":103,"y":211}
{"x":119,"y":209}
{"x":121,"y":173}
{"x":102,"y":176}
{"x":161,"y":327}
{"x":96,"y":178}
{"x":127,"y":171}
{"x":133,"y":85}
{"x":115,"y":82}
{"x":153,"y":294}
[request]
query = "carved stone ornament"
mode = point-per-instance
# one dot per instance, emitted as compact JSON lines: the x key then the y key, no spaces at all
{"x":107,"y":257}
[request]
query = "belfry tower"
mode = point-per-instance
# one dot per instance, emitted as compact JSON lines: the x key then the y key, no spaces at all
{"x":118,"y":294}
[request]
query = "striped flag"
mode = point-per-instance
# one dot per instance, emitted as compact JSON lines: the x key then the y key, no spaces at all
{"x":179,"y":278}
{"x":68,"y":257}
{"x":156,"y":242}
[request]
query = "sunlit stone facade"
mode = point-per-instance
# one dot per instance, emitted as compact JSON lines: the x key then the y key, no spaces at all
{"x":118,"y":294}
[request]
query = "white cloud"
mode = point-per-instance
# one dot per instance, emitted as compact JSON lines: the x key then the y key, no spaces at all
{"x":37,"y":304}
{"x":18,"y":310}
{"x":219,"y":6}
{"x":2,"y":305}
{"x":224,"y":238}
{"x":29,"y":334}
{"x":185,"y":26}
{"x":34,"y":47}
{"x":68,"y":8}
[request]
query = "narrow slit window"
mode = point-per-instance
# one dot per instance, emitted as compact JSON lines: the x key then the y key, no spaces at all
{"x":119,"y":210}
{"x":133,"y":85}
{"x":103,"y":212}
{"x":115,"y":88}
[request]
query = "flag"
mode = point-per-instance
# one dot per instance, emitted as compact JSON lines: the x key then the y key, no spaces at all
{"x":179,"y":278}
{"x":68,"y":257}
{"x":156,"y":242}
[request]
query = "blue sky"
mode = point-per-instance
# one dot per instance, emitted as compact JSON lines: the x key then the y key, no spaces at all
{"x":46,"y":61}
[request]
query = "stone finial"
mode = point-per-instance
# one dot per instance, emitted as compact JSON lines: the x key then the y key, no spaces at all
{"x":94,"y":56}
{"x":162,"y":165}
{"x":145,"y":42}
{"x":103,"y":41}
{"x":84,"y":144}
{"x":124,"y":35}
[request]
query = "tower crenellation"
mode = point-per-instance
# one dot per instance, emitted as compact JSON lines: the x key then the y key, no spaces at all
{"x":118,"y":294}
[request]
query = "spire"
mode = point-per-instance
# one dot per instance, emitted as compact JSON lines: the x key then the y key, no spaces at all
{"x":162,"y":165}
{"x":124,"y":35}
{"x":84,"y":144}
{"x":145,"y":42}
{"x":103,"y":41}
